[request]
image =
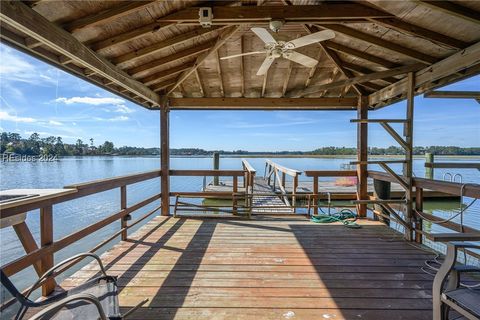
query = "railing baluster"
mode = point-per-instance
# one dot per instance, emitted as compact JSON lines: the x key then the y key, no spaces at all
{"x":235,"y":190}
{"x":418,"y":208}
{"x":123,"y":205}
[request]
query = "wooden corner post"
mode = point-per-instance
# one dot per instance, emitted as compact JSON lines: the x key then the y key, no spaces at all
{"x":408,"y":166}
{"x":362,"y":154}
{"x":165,"y":158}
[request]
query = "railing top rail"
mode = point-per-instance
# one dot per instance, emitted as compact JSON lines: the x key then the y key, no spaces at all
{"x":213,"y":173}
{"x":469,"y":189}
{"x":290,"y":172}
{"x":117,"y":181}
{"x":248,"y":166}
{"x":453,"y":165}
{"x":331,"y":173}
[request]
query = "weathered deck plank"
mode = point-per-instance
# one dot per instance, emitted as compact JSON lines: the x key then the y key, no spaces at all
{"x":267,"y":268}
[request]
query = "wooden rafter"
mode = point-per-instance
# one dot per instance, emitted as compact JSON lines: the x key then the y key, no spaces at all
{"x":181,"y":38}
{"x":312,"y":71}
{"x":226,"y":34}
{"x":162,"y":85}
{"x":360,"y":54}
{"x":159,"y":76}
{"x":301,"y":14}
{"x":219,"y":72}
{"x":242,"y":68}
{"x":364,"y":70}
{"x":200,"y":83}
{"x":454,"y":9}
{"x":355,"y":80}
{"x":287,"y":78}
{"x":129,"y":35}
{"x":107,"y":15}
{"x":21,"y":17}
{"x":152,"y":66}
{"x":262,"y":103}
{"x":462,"y":60}
{"x":353,"y":33}
{"x":417,"y":31}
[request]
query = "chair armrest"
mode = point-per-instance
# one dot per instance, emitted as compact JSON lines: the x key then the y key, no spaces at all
{"x":57,"y":306}
{"x":77,"y":258}
{"x":464,"y":245}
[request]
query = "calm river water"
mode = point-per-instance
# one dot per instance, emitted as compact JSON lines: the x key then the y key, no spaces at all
{"x":73,"y":215}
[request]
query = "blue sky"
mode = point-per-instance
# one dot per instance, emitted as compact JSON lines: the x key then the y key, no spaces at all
{"x":36,"y":97}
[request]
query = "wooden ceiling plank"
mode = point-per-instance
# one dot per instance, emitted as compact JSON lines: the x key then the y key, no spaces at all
{"x":242,"y":68}
{"x":129,"y":35}
{"x":159,"y":76}
{"x":312,"y":71}
{"x":462,"y":60}
{"x":360,"y":54}
{"x":226,"y":34}
{"x":107,"y":15}
{"x":181,"y":38}
{"x":21,"y":17}
{"x":417,"y":31}
{"x":153,"y":65}
{"x":297,"y":93}
{"x":353,"y":33}
{"x":262,"y":103}
{"x":298,"y":13}
{"x":454,"y":9}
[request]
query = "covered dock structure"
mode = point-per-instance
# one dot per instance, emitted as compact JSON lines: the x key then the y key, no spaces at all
{"x":176,"y":55}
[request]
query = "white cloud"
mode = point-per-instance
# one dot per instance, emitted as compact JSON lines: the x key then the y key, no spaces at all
{"x":55,"y":123}
{"x":119,"y":118}
{"x":95,"y":101}
{"x":121,"y":108}
{"x":5,"y":116}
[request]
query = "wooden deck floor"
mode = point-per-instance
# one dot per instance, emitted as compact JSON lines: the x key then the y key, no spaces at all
{"x":267,"y":268}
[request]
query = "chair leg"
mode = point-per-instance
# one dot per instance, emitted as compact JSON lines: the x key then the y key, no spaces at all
{"x":444,"y":310}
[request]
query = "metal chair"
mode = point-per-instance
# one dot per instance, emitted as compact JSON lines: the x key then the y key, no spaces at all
{"x":95,"y":299}
{"x":448,"y":293}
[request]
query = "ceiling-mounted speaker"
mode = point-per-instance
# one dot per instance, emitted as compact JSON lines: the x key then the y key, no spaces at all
{"x":205,"y":15}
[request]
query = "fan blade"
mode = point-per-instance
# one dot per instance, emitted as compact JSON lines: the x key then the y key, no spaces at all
{"x":311,"y":38}
{"x":265,"y":65}
{"x":300,"y":58}
{"x":264,"y":35}
{"x":241,"y":54}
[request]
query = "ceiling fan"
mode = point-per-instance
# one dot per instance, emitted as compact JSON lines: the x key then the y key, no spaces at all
{"x":276,"y":49}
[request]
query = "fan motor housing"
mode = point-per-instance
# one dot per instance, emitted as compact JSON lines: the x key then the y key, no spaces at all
{"x":275,"y":25}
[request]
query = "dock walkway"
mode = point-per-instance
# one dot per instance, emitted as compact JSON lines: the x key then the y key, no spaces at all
{"x":264,"y":196}
{"x":281,"y":267}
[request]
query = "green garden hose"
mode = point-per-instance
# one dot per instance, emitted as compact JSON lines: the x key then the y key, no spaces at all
{"x":345,"y":216}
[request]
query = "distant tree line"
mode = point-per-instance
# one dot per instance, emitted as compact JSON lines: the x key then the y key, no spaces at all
{"x":34,"y":145}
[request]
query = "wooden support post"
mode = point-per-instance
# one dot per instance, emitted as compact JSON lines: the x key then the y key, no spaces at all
{"x":216,"y":166}
{"x":294,"y":193}
{"x":429,"y":170}
{"x":315,"y":196}
{"x":362,"y":154}
{"x":46,"y":239}
{"x":381,"y":190}
{"x":235,"y":191}
{"x":165,"y":159}
{"x":419,"y":208}
{"x":408,"y":166}
{"x":123,"y":205}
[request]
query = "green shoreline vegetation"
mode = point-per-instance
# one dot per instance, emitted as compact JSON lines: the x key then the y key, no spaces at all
{"x":34,"y":145}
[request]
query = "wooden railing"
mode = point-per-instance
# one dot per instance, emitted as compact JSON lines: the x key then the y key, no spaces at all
{"x":278,"y":173}
{"x":248,"y":183}
{"x":43,"y":257}
{"x":233,"y":195}
{"x":460,"y":189}
{"x":315,"y":174}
